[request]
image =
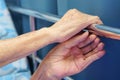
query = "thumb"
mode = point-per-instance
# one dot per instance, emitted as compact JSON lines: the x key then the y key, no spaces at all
{"x":76,"y":40}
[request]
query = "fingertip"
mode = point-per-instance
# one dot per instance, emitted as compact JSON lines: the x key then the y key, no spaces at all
{"x":97,"y":40}
{"x":86,"y":33}
{"x":100,"y":46}
{"x":92,"y":36}
{"x":84,"y":36}
{"x":100,"y":54}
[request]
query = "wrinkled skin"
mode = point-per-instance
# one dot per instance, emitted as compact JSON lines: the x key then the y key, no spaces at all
{"x":72,"y":56}
{"x":68,"y":26}
{"x":72,"y":23}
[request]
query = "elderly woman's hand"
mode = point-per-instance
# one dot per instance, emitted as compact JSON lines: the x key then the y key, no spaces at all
{"x":70,"y":57}
{"x":72,"y":23}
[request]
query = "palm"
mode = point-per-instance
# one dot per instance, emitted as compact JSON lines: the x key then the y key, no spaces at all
{"x":68,"y":64}
{"x":68,"y":59}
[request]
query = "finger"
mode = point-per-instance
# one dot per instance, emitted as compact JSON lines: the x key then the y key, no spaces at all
{"x":87,"y":41}
{"x":95,"y":57}
{"x":99,"y":47}
{"x":96,"y":20}
{"x":75,"y":40}
{"x":76,"y":52}
{"x":96,"y":50}
{"x":90,"y":47}
{"x":69,"y":43}
{"x":89,"y":60}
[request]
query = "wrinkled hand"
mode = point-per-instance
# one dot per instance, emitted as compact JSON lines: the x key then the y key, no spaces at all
{"x":72,"y":23}
{"x":73,"y":56}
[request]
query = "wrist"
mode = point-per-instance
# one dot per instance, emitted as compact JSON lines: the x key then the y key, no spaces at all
{"x":52,"y":76}
{"x":53,"y":34}
{"x":50,"y":33}
{"x":49,"y":73}
{"x":47,"y":35}
{"x":43,"y":73}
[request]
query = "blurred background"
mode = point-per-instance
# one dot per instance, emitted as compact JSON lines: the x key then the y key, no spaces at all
{"x":108,"y":67}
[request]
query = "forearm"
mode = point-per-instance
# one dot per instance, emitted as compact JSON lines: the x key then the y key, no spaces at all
{"x":13,"y":49}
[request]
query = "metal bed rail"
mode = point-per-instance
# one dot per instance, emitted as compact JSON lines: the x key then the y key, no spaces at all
{"x":32,"y":15}
{"x":45,"y":16}
{"x":54,"y":18}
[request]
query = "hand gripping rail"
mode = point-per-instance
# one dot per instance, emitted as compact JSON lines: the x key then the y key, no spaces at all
{"x":98,"y":29}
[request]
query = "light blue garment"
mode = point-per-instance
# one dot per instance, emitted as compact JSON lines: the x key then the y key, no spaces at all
{"x":17,"y":70}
